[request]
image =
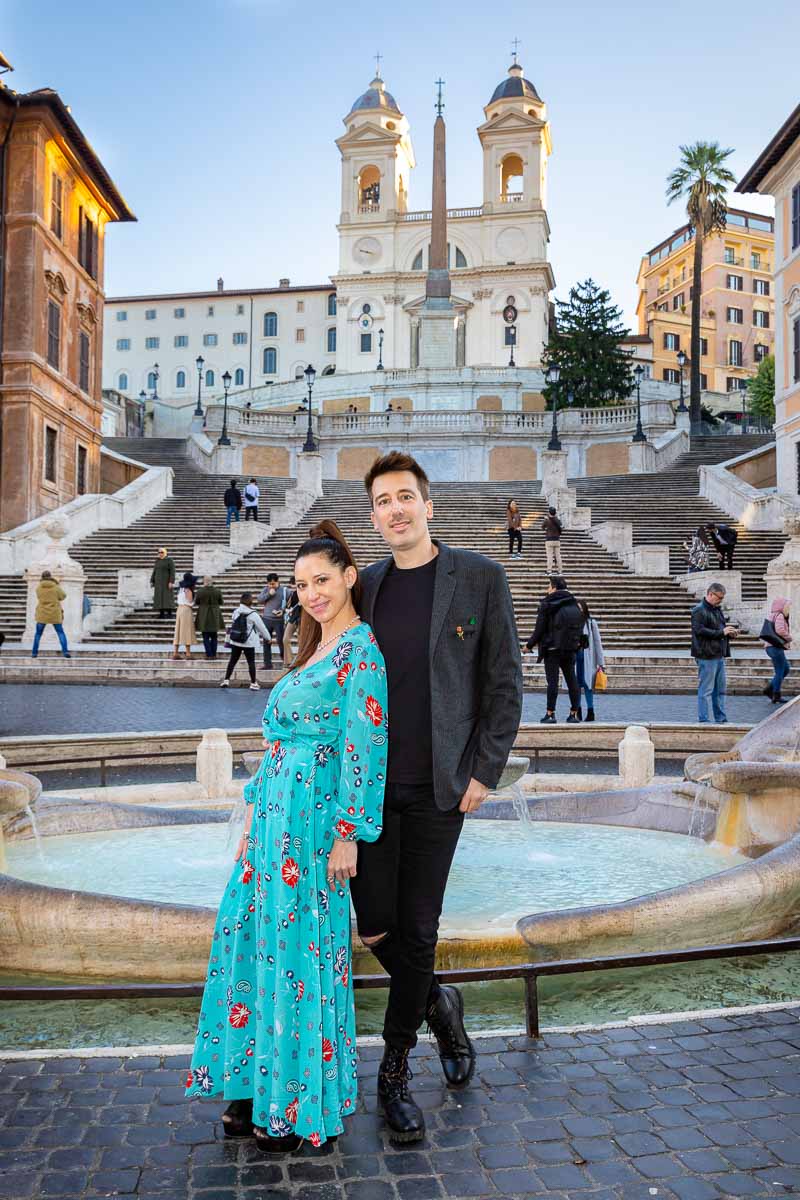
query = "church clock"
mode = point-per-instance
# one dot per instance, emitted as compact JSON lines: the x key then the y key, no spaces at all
{"x":367,"y":251}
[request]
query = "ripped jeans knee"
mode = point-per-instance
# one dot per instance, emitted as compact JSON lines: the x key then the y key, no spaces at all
{"x":373,"y":939}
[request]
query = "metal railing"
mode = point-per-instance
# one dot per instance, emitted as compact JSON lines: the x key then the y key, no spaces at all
{"x":530,"y":973}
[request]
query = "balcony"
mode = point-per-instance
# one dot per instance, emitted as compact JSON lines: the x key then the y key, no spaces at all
{"x":665,"y":287}
{"x":452,"y":213}
{"x":369,"y":208}
{"x":512,"y":198}
{"x":732,"y":261}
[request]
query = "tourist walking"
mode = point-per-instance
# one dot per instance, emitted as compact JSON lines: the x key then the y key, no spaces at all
{"x":552,"y":541}
{"x":251,"y":495}
{"x":696,"y":547}
{"x":777,"y":638}
{"x":49,"y":611}
{"x":209,"y":615}
{"x":589,"y":659}
{"x":711,"y":636}
{"x":184,"y":617}
{"x":277,"y":1032}
{"x":291,"y":620}
{"x":233,"y":502}
{"x":557,"y":633}
{"x":514,"y":519}
{"x":274,"y":599}
{"x":244,"y":632}
{"x":444,"y":621}
{"x":724,"y":538}
{"x":162,"y":581}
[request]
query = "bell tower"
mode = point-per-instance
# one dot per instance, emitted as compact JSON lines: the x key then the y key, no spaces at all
{"x":516,"y":145}
{"x":377,"y":158}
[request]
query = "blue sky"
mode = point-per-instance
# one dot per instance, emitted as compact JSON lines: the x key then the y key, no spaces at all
{"x":217,"y":118}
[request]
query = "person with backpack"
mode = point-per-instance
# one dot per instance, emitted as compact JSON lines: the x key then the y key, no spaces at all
{"x":251,"y":495}
{"x":589,"y":659}
{"x":777,"y":638}
{"x":558,"y":632}
{"x":244,"y":631}
{"x":274,"y":598}
{"x":232,"y":501}
{"x":552,"y":541}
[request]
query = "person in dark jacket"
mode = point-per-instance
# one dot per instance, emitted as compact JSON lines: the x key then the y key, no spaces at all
{"x":724,"y":538}
{"x":209,"y":615}
{"x":233,"y":502}
{"x":162,"y":581}
{"x":558,"y":632}
{"x":552,"y":541}
{"x":711,"y":634}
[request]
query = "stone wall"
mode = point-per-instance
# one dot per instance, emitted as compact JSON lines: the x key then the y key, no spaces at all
{"x":355,"y":461}
{"x":758,"y":470}
{"x":340,"y":404}
{"x":512,"y":462}
{"x":265,"y":460}
{"x":117,"y":472}
{"x":533,"y":402}
{"x":489,"y":404}
{"x":607,"y":458}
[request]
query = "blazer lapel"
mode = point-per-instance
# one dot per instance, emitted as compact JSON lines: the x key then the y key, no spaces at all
{"x":371,"y":592}
{"x":443,"y":592}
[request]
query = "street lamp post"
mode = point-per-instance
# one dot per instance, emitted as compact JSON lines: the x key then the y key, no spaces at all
{"x":198,"y":412}
{"x":681,"y":364}
{"x":553,"y":375}
{"x":310,"y":446}
{"x":380,"y":349}
{"x":512,"y":341}
{"x":639,"y":435}
{"x":223,"y":439}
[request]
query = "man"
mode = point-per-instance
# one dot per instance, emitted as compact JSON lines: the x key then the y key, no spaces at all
{"x":444,"y":621}
{"x":711,"y":636}
{"x":724,"y":538}
{"x":232,"y":501}
{"x":251,"y":495}
{"x":274,"y":598}
{"x":558,"y":633}
{"x":552,"y":541}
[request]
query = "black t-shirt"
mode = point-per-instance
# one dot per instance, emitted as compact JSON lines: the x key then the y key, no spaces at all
{"x":402,"y":624}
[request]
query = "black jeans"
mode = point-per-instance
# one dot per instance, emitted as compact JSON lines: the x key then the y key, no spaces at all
{"x":514,"y":535}
{"x":563,"y":661}
{"x":210,"y":644}
{"x":725,"y":558}
{"x":250,"y":656}
{"x":399,"y":891}
{"x":251,"y":510}
{"x":275,"y":626}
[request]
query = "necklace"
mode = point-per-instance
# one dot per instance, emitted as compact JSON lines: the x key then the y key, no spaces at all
{"x":336,"y":636}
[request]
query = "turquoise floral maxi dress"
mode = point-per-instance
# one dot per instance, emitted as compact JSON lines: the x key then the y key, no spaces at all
{"x":277,"y":1019}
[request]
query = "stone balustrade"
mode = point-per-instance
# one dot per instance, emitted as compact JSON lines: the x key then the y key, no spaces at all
{"x":751,"y":506}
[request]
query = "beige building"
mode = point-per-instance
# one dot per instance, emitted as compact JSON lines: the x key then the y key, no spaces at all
{"x":56,"y":199}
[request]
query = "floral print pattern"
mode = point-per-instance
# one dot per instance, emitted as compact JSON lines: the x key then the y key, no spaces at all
{"x":277,"y":1020}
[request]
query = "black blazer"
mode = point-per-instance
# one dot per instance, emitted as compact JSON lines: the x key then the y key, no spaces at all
{"x":475,"y":669}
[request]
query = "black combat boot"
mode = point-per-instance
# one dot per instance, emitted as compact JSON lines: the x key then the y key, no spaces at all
{"x":590,"y":714}
{"x":445,"y":1017}
{"x":237,"y":1120}
{"x":402,"y":1113}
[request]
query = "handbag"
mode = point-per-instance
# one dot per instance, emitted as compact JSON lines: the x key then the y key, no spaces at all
{"x":600,"y":680}
{"x":769,"y":635}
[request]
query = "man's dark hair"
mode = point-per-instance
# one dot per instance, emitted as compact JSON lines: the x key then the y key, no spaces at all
{"x":396,"y":460}
{"x":273,"y":576}
{"x":233,"y":483}
{"x":552,"y":511}
{"x":558,"y":582}
{"x":252,"y":479}
{"x":246,"y":598}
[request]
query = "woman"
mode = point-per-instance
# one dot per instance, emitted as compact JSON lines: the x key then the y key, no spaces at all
{"x":209,"y":615}
{"x":696,"y":548}
{"x":276,"y":1034}
{"x":184,"y":617}
{"x":245,"y":633}
{"x":589,"y":658}
{"x":162,"y":581}
{"x":514,"y":519}
{"x":49,"y":595}
{"x":779,"y":616}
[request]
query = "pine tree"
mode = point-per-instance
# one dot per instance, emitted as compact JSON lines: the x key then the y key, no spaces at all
{"x":762,"y":390}
{"x":586,"y":348}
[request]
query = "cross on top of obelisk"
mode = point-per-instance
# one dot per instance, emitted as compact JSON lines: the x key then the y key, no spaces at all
{"x":378,"y":61}
{"x":439,"y":100}
{"x":516,"y":43}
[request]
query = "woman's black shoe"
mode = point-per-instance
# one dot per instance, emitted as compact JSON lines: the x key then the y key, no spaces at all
{"x":767,"y":691}
{"x":237,"y":1120}
{"x":778,"y":698}
{"x":590,"y":714}
{"x":402,"y":1113}
{"x":276,"y":1145}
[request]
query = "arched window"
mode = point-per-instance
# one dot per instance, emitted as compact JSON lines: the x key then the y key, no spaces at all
{"x":270,"y":324}
{"x":417,"y":263}
{"x":270,"y":360}
{"x":180,"y":379}
{"x":511,"y":177}
{"x":332,"y":304}
{"x":369,"y":189}
{"x":123,"y":382}
{"x":238,"y":379}
{"x":151,"y":380}
{"x":299,"y":372}
{"x":424,"y":257}
{"x":209,"y":378}
{"x":461,"y":260}
{"x":332,"y":339}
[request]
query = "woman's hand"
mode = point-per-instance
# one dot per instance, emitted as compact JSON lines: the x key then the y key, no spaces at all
{"x":342,"y":862}
{"x":242,"y":845}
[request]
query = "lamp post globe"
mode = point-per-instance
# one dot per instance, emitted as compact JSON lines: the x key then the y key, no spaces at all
{"x":198,"y":412}
{"x":552,"y":376}
{"x":639,"y":435}
{"x":682,"y":360}
{"x":223,"y":439}
{"x":310,"y":446}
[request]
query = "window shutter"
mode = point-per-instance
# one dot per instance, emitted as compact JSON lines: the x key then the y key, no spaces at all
{"x":94,"y":268}
{"x":81,"y":238}
{"x":677,"y":341}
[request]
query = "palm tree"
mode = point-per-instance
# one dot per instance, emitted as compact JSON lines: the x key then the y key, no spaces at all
{"x":701,"y":179}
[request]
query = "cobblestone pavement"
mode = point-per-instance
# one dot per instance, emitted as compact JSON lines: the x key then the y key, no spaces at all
{"x":46,"y":708}
{"x":686,"y":1110}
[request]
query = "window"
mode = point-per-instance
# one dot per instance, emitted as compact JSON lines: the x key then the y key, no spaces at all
{"x":460,"y":258}
{"x":50,"y":453}
{"x":703,"y":345}
{"x":760,"y":352}
{"x":331,"y":343}
{"x":730,"y":255}
{"x":755,"y":260}
{"x":366,"y":343}
{"x":735,"y":316}
{"x":761,"y":318}
{"x":57,"y":205}
{"x":761,"y":287}
{"x":672,"y":341}
{"x":210,"y":310}
{"x":152,"y":343}
{"x":152,"y":380}
{"x":796,"y":351}
{"x":663,"y":307}
{"x":238,"y":378}
{"x":735,"y":283}
{"x":679,"y":301}
{"x":240,"y":339}
{"x":332,"y":304}
{"x":417,"y":263}
{"x":734,"y":384}
{"x":756,"y":223}
{"x":122,"y":383}
{"x":122,"y":315}
{"x":54,"y":334}
{"x":123,"y":343}
{"x":179,"y":313}
{"x":181,"y":341}
{"x":735,"y":357}
{"x":703,"y":382}
{"x":83,"y":362}
{"x":270,"y":324}
{"x":796,"y":216}
{"x":87,"y":244}
{"x":81,"y":471}
{"x":735,"y":219}
{"x":671,"y":375}
{"x":149,"y":314}
{"x":299,"y":335}
{"x":301,"y":306}
{"x":240,"y":310}
{"x":270,"y":361}
{"x":209,"y":339}
{"x":209,"y":378}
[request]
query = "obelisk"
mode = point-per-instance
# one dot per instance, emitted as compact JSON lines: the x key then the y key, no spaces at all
{"x":437,"y":340}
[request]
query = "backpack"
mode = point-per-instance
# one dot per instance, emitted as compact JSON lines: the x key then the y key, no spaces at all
{"x":568,"y":628}
{"x":249,"y":493}
{"x":239,"y":631}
